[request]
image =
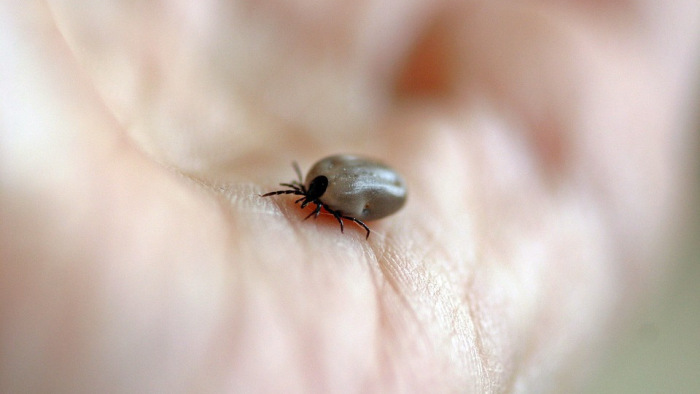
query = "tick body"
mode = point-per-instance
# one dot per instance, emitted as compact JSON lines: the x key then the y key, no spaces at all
{"x":349,"y":187}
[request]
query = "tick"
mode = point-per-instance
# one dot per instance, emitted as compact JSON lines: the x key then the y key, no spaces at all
{"x":348,"y":187}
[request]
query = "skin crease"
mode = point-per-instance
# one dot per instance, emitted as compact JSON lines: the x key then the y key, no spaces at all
{"x":544,"y":143}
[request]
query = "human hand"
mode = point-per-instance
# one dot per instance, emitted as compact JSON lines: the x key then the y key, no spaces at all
{"x":542,"y":143}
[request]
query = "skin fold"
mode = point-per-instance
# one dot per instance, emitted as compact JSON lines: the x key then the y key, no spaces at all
{"x":545,"y":144}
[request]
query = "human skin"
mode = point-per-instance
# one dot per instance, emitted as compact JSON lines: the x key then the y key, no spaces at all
{"x":545,"y":145}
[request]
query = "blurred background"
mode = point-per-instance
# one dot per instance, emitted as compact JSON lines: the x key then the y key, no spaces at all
{"x":660,"y":350}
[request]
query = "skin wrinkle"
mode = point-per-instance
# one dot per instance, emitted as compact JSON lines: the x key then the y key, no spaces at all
{"x":477,"y":311}
{"x":507,"y":320}
{"x":453,"y":310}
{"x":480,"y":353}
{"x":384,"y":324}
{"x":474,"y":340}
{"x":390,"y":268}
{"x":480,"y":356}
{"x":477,"y":355}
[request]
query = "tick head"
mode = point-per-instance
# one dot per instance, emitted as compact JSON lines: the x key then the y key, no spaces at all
{"x":317,"y":187}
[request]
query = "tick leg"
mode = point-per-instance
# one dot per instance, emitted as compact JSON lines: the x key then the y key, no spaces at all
{"x":282,"y":192}
{"x":358,"y":221}
{"x":298,"y":186}
{"x":298,"y":171}
{"x":291,"y":186}
{"x":301,"y":199}
{"x":307,"y":201}
{"x":339,"y":218}
{"x":315,"y":211}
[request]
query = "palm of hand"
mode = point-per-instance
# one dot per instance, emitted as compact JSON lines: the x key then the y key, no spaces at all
{"x":139,"y":236}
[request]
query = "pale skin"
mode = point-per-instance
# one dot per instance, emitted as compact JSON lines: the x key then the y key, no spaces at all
{"x":545,"y":146}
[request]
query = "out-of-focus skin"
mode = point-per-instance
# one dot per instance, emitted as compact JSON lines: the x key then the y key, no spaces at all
{"x":545,"y":145}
